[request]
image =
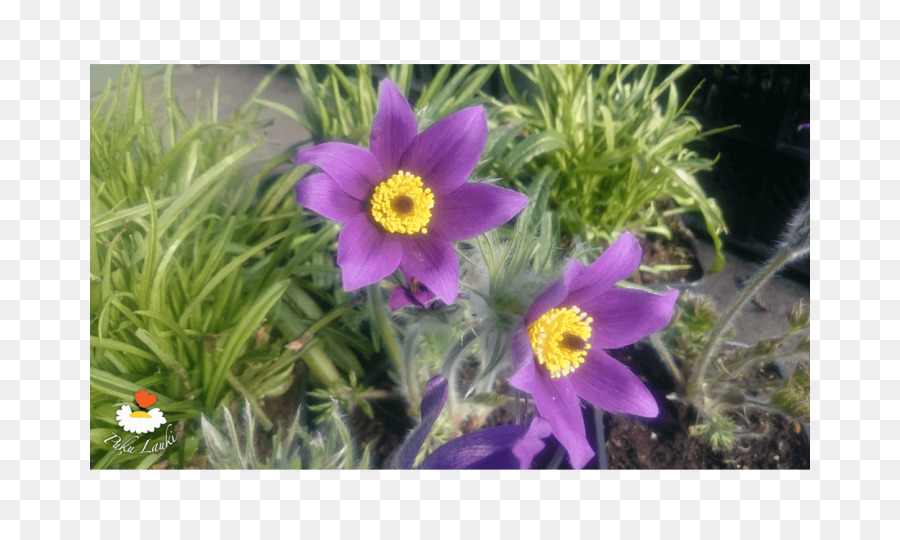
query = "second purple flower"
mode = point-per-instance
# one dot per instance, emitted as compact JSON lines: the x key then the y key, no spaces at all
{"x":558,"y":352}
{"x":405,"y":200}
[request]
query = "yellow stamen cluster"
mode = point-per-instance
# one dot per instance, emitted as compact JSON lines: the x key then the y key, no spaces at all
{"x":139,"y":414}
{"x":560,"y":339}
{"x":401,"y":205}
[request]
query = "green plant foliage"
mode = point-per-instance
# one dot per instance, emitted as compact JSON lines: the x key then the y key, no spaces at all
{"x":617,"y":139}
{"x":793,"y":398}
{"x":339,"y":102}
{"x":200,"y":276}
{"x":718,"y":432}
{"x":501,"y":273}
{"x":695,"y":317}
{"x":237,"y":445}
{"x":717,"y":376}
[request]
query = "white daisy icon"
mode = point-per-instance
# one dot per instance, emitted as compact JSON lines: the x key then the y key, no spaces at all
{"x":139,"y":421}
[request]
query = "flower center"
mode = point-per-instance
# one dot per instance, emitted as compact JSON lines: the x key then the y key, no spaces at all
{"x":560,"y":339}
{"x":400,"y":204}
{"x":139,"y":414}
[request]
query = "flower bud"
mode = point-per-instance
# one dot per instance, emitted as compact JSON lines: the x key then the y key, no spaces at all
{"x":798,"y":316}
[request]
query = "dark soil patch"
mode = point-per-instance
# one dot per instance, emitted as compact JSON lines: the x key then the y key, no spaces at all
{"x":679,"y":251}
{"x":765,"y":440}
{"x":282,"y":409}
{"x":501,"y":416}
{"x":770,"y":442}
{"x":385,"y":432}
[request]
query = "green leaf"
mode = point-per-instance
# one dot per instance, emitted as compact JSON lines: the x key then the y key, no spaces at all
{"x":533,"y":146}
{"x":226,"y":271}
{"x":201,"y":185}
{"x":245,"y":327}
{"x":282,"y":108}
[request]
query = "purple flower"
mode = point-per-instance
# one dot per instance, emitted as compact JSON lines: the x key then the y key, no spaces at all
{"x":415,"y":294}
{"x":499,"y":447}
{"x":405,"y":200}
{"x":559,"y":351}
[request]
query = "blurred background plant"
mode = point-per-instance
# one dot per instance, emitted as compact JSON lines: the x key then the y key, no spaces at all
{"x":618,"y":140}
{"x":199,"y":275}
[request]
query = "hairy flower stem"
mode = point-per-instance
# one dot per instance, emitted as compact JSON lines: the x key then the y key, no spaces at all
{"x":698,"y":377}
{"x":404,"y":366}
{"x":667,"y":359}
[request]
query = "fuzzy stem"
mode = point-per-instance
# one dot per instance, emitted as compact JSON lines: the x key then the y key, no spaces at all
{"x":393,"y":348}
{"x":781,"y":257}
{"x":602,"y":457}
{"x":667,"y":359}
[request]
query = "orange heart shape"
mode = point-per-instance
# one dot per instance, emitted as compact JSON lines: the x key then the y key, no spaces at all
{"x":144,"y":399}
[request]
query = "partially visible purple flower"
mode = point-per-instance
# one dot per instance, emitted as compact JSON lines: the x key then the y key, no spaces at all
{"x":499,"y":447}
{"x":405,"y":199}
{"x":558,"y":352}
{"x":416,"y":294}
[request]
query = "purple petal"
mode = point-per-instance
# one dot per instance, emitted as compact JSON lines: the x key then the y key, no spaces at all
{"x":521,"y":348}
{"x":365,"y":254}
{"x":473,"y":209}
{"x":432,"y":405}
{"x":433,"y":261}
{"x":557,"y":402}
{"x":523,"y":379}
{"x":531,"y":444}
{"x":609,"y":385}
{"x":354,"y":169}
{"x":619,"y":261}
{"x":393,"y":128}
{"x":489,"y":448}
{"x":401,"y":297}
{"x":323,"y":196}
{"x":626,"y":316}
{"x":523,"y":362}
{"x":446,"y":153}
{"x":554,"y":294}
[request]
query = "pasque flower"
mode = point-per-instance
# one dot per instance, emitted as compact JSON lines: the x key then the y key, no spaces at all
{"x":405,"y":199}
{"x":558,"y":352}
{"x":415,"y":294}
{"x":498,"y":447}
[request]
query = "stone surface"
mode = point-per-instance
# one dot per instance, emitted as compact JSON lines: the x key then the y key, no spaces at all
{"x":757,"y":321}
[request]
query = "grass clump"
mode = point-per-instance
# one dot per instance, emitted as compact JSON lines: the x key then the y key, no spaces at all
{"x":617,"y":139}
{"x":199,"y":276}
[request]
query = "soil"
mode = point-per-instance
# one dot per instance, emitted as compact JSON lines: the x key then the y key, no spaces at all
{"x":770,"y":442}
{"x":385,"y":432}
{"x":766,"y":440}
{"x":658,"y":250}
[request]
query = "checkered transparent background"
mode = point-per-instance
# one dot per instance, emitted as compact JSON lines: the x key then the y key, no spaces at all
{"x":46,"y":487}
